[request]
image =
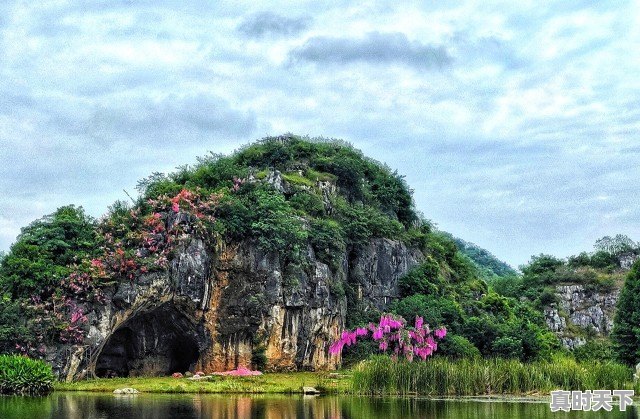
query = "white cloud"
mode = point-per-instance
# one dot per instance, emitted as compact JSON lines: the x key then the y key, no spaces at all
{"x":511,"y":144}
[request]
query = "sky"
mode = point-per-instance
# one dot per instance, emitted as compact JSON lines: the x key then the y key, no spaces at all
{"x":516,"y":123}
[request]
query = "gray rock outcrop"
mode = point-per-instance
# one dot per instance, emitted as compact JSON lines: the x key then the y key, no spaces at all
{"x":588,"y":310}
{"x":215,"y":307}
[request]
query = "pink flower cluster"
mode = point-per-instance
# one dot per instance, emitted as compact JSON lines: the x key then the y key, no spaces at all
{"x":392,"y":333}
{"x":74,"y":332}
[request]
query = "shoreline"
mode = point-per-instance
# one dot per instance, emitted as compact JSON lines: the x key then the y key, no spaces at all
{"x":266,"y":384}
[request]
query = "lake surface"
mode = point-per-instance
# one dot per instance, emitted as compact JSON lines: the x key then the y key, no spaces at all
{"x":150,"y":406}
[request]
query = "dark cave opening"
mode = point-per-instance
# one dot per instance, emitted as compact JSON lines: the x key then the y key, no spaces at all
{"x":155,"y":343}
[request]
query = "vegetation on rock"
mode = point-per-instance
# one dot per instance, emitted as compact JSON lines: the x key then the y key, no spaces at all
{"x":293,"y":196}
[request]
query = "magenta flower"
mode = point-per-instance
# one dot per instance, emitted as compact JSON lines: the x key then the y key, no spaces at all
{"x":392,"y":332}
{"x":419,"y":321}
{"x":440,"y":333}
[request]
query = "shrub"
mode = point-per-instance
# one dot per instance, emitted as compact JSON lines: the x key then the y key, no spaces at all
{"x":307,"y":203}
{"x":507,"y":347}
{"x":423,"y":279}
{"x":456,"y":346}
{"x":508,"y":286}
{"x":259,"y":357}
{"x":595,"y":350}
{"x":435,"y":310}
{"x":327,"y":238}
{"x":25,"y":376}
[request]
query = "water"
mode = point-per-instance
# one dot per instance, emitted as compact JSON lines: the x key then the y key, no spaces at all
{"x":166,"y":406}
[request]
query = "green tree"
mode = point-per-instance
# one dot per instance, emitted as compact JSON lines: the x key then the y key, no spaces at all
{"x":626,"y":327}
{"x":45,"y":249}
{"x":615,"y":245}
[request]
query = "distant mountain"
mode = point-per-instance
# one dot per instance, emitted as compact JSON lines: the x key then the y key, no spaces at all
{"x":485,"y":261}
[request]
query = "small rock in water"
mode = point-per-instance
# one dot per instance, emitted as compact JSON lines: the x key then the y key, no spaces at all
{"x":188,"y":374}
{"x":126,"y":390}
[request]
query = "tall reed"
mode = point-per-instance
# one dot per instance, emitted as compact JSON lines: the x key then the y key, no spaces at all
{"x":467,"y":377}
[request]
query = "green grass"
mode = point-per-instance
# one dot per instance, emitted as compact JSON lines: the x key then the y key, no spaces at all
{"x":295,"y":179}
{"x":469,"y":377}
{"x":381,"y":376}
{"x":271,"y":383}
{"x":320,"y":176}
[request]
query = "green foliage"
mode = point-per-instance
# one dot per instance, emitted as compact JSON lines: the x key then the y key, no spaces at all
{"x":616,"y":246}
{"x":362,"y":223}
{"x":626,"y":330}
{"x":296,"y":179}
{"x":475,"y":376}
{"x":436,"y":311}
{"x":157,"y":184}
{"x":507,"y":347}
{"x":258,"y":355}
{"x":596,"y":272}
{"x":327,"y":238}
{"x":487,"y":263}
{"x":445,"y":290}
{"x":507,"y":286}
{"x":307,"y":203}
{"x":361,"y":179}
{"x":541,"y":268}
{"x":273,"y":223}
{"x":212,"y":172}
{"x":24,"y":376}
{"x":424,"y":279}
{"x":457,"y":347}
{"x":595,"y":350}
{"x":44,"y":250}
{"x":13,"y":324}
{"x":261,"y":213}
{"x":601,"y":260}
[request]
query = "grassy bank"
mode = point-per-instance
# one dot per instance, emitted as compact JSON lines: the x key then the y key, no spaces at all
{"x":282,"y":383}
{"x":469,"y":377}
{"x":381,"y":376}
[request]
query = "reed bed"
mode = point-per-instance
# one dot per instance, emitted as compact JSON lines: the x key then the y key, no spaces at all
{"x":471,"y":377}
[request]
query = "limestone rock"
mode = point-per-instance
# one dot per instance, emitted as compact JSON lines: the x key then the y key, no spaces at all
{"x":215,"y":305}
{"x":591,"y":310}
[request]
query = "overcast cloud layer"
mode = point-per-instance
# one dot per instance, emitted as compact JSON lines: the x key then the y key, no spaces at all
{"x":515,"y":122}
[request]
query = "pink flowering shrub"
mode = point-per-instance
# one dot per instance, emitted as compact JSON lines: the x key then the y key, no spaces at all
{"x":394,"y":336}
{"x":73,"y":332}
{"x":240,"y":372}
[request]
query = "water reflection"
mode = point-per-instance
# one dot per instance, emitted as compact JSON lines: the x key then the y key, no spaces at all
{"x":161,"y":406}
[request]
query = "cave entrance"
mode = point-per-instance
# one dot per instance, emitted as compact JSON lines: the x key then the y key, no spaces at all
{"x":154,"y":343}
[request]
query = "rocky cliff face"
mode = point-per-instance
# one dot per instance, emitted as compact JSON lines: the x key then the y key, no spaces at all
{"x":229,"y":305}
{"x":580,"y":312}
